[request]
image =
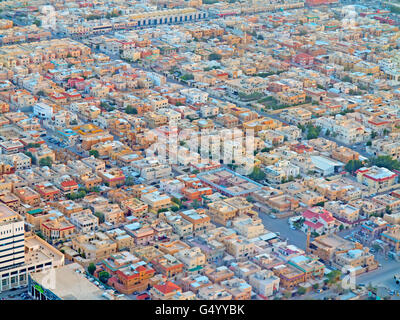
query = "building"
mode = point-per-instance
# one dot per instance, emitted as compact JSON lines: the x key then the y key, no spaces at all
{"x":318,"y":220}
{"x":264,"y":282}
{"x":11,"y":238}
{"x":39,"y":255}
{"x":65,"y":283}
{"x":376,"y":178}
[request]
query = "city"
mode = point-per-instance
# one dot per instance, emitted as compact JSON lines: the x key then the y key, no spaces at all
{"x":199,"y":150}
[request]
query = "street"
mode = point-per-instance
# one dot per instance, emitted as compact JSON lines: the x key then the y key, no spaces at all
{"x":382,"y":276}
{"x":296,"y":237}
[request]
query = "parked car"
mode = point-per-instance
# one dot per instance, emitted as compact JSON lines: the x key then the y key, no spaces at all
{"x":273,"y":216}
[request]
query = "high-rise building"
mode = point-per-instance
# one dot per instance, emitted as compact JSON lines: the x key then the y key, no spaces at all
{"x":12,"y":251}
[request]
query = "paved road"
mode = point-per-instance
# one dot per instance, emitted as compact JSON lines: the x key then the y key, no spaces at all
{"x":296,"y":237}
{"x":383,"y":276}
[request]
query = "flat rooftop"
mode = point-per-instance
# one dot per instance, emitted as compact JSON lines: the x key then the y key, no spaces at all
{"x":7,"y":214}
{"x":71,"y":284}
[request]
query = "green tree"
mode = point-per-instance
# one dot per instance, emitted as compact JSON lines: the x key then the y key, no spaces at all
{"x":214,"y":56}
{"x":94,"y":153}
{"x":104,"y":276}
{"x":313,"y":132}
{"x":334,"y":276}
{"x":91,"y":268}
{"x":257,"y":174}
{"x":46,"y":162}
{"x":353,"y":165}
{"x":129,"y":181}
{"x":100,"y":215}
{"x":386,"y":162}
{"x":131,"y":110}
{"x":301,"y":290}
{"x":30,"y":155}
{"x":33,"y":145}
{"x":187,"y":76}
{"x":177,"y":201}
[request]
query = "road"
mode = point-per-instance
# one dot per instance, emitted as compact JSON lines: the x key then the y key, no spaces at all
{"x":382,"y":276}
{"x":296,"y":237}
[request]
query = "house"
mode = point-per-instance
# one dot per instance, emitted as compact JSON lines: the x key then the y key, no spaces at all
{"x":318,"y":220}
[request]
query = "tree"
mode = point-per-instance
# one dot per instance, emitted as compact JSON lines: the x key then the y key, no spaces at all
{"x":385,"y":132}
{"x":386,"y":162}
{"x":313,"y":132}
{"x":30,"y":155}
{"x":187,"y":76}
{"x":94,"y":153}
{"x":353,"y":165}
{"x":341,"y":227}
{"x":129,"y":181}
{"x":250,"y":199}
{"x":257,"y":174}
{"x":100,"y":215}
{"x":177,"y":201}
{"x":131,"y":110}
{"x":175,"y":208}
{"x":301,"y":290}
{"x":91,"y":268}
{"x":76,"y":195}
{"x":104,"y":276}
{"x":106,"y":106}
{"x":33,"y":145}
{"x":214,"y":56}
{"x":46,"y":162}
{"x":333,"y":276}
{"x":347,"y":79}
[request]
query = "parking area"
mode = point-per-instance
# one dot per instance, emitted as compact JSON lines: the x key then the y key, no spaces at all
{"x":15,"y":294}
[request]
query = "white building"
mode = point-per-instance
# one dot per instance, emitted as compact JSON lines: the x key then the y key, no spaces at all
{"x":43,"y":110}
{"x":194,"y":95}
